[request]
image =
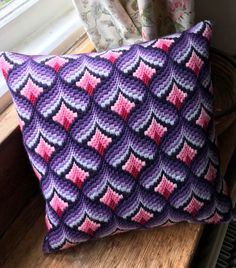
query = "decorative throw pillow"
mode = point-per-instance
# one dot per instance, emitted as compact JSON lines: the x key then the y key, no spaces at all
{"x":122,"y":139}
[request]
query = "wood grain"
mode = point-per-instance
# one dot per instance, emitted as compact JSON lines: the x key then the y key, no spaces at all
{"x":8,"y":122}
{"x":17,"y":181}
{"x":167,"y":247}
{"x":83,"y":45}
{"x":22,"y":224}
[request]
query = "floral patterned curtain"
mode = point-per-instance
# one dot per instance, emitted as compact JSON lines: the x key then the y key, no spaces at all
{"x":113,"y":23}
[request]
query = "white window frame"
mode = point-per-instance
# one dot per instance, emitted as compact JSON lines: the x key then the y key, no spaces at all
{"x":37,"y":27}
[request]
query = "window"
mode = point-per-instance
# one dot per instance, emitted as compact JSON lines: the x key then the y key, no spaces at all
{"x":3,"y":3}
{"x":36,"y":27}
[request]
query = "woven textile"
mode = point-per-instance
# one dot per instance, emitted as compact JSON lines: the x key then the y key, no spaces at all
{"x":122,"y":139}
{"x":113,"y":23}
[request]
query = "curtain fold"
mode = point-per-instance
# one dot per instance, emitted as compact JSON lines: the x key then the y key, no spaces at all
{"x":113,"y":23}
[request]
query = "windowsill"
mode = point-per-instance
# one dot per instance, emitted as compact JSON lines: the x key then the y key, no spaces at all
{"x":9,"y":118}
{"x":52,"y":36}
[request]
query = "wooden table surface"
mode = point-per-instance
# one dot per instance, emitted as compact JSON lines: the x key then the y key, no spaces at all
{"x":168,"y":247}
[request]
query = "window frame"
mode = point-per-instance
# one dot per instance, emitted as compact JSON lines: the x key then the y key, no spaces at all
{"x":21,"y":24}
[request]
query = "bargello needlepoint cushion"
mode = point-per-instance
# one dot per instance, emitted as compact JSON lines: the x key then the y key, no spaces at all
{"x":122,"y":139}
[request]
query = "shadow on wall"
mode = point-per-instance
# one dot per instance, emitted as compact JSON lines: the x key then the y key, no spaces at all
{"x":223,"y":16}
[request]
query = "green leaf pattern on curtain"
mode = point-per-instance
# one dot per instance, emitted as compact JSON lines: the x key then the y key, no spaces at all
{"x":114,"y":23}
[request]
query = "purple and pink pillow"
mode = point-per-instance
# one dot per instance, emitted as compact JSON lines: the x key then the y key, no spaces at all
{"x":122,"y":139}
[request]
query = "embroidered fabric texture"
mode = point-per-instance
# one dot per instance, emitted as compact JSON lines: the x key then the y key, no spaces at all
{"x":122,"y":139}
{"x":129,"y":22}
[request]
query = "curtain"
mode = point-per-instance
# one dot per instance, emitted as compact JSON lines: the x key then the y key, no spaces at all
{"x":113,"y":23}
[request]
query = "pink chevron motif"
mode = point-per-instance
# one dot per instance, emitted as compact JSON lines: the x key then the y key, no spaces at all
{"x":31,"y":91}
{"x":144,"y":72}
{"x":216,"y":218}
{"x":65,"y":116}
{"x":165,"y":187}
{"x":194,"y":206}
{"x":122,"y":106}
{"x":195,"y":63}
{"x":99,"y":141}
{"x":142,"y":216}
{"x":112,"y":56}
{"x":186,"y":154}
{"x":164,"y":44}
{"x":133,"y":165}
{"x":211,"y":173}
{"x":44,"y":149}
{"x":203,"y":119}
{"x":111,"y":198}
{"x":58,"y":204}
{"x":56,"y":63}
{"x":176,"y":96}
{"x":38,"y":175}
{"x":155,"y":131}
{"x":88,"y":82}
{"x":67,"y":245}
{"x":88,"y":226}
{"x":21,"y":123}
{"x":77,"y":175}
{"x":207,"y":32}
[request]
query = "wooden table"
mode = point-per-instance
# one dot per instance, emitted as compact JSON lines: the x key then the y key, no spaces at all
{"x":168,"y":247}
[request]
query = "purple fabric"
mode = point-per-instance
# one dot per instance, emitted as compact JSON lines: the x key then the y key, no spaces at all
{"x":122,"y":139}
